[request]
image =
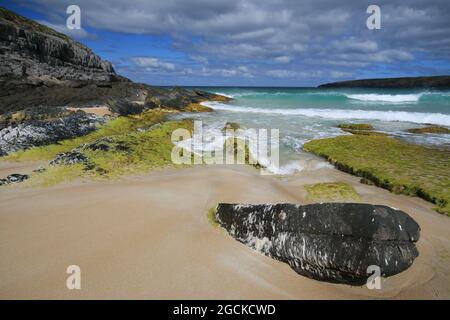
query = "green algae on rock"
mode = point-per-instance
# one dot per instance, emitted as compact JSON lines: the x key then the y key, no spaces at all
{"x":356,"y":126}
{"x":331,"y":191}
{"x":391,"y":164}
{"x":431,"y":129}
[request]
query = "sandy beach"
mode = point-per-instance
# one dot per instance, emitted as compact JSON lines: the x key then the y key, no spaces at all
{"x":149,"y":237}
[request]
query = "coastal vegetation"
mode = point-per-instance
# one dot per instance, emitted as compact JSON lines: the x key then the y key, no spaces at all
{"x":231,"y":126}
{"x":331,"y":191}
{"x":360,"y":129}
{"x":391,"y":164}
{"x":356,"y":126}
{"x":119,"y":126}
{"x":431,"y":129}
{"x":197,"y":107}
{"x":212,"y":217}
{"x":124,"y":145}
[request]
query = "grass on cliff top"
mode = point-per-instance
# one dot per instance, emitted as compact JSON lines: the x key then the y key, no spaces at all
{"x":331,"y":191}
{"x":392,"y":164}
{"x":119,"y":126}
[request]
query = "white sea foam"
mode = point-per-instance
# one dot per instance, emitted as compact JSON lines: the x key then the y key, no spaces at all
{"x":394,"y":98}
{"x":342,"y":114}
{"x":225,"y":95}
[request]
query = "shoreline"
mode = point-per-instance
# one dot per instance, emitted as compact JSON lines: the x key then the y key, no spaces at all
{"x":176,"y":253}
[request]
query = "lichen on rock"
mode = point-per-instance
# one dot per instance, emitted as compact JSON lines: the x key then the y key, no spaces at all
{"x":334,"y":242}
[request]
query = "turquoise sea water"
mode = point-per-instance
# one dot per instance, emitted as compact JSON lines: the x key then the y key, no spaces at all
{"x":302,"y":114}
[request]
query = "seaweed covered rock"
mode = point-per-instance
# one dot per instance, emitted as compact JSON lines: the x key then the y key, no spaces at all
{"x":68,"y":158}
{"x":431,"y":129}
{"x":333,"y":242}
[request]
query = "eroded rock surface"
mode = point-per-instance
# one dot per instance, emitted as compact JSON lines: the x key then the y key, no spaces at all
{"x":24,"y":42}
{"x":44,"y":74}
{"x":40,"y":132}
{"x":333,"y":242}
{"x":13,"y":178}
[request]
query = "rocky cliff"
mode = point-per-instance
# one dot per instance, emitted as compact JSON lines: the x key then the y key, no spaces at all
{"x":406,"y":82}
{"x":32,"y":50}
{"x":45,"y":77}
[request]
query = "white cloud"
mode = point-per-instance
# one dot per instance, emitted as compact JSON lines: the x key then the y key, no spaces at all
{"x":317,"y":38}
{"x":279,"y":73}
{"x":152,"y":63}
{"x":283,"y":59}
{"x":340,"y":74}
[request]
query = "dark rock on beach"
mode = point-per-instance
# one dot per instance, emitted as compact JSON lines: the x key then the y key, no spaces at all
{"x":76,"y":155}
{"x":40,"y":132}
{"x":68,"y":158}
{"x":13,"y":178}
{"x":334,"y":242}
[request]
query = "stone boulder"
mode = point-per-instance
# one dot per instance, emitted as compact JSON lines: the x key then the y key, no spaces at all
{"x":69,"y":158}
{"x":334,"y":242}
{"x":42,"y":132}
{"x":13,"y":178}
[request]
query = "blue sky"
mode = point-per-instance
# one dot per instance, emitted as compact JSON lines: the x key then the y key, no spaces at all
{"x":256,"y":43}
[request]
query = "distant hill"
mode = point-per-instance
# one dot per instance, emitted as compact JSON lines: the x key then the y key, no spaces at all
{"x":405,"y":82}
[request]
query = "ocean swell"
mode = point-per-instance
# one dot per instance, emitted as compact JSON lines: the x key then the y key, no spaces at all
{"x":342,"y":114}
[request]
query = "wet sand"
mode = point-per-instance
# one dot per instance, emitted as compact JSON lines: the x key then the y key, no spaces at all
{"x":148,"y":237}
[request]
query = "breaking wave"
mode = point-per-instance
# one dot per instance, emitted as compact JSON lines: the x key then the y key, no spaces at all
{"x":394,"y":98}
{"x":342,"y":114}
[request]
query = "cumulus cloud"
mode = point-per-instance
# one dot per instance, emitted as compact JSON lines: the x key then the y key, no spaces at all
{"x":317,"y":38}
{"x":277,"y":73}
{"x":152,"y":63}
{"x":283,"y":59}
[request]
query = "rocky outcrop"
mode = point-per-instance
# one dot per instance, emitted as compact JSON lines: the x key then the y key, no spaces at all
{"x":42,"y":67}
{"x":430,"y":129}
{"x":69,"y":158}
{"x":333,"y":242}
{"x":406,"y":82}
{"x":44,"y":75}
{"x":76,"y":155}
{"x":30,"y":49}
{"x":13,"y":178}
{"x":41,"y":132}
